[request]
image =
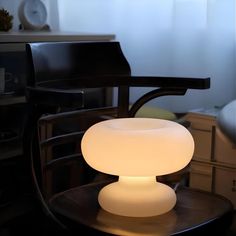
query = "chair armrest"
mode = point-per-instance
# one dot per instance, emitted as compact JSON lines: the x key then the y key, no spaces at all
{"x":102,"y":112}
{"x":170,"y":82}
{"x":136,"y":81}
{"x":165,"y":86}
{"x":131,"y":81}
{"x":52,"y":96}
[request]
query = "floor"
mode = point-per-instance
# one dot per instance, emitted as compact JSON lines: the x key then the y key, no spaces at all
{"x":20,"y":212}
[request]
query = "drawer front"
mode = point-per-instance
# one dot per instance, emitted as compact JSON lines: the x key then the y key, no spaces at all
{"x":201,"y":176}
{"x":225,"y":150}
{"x":198,"y":121}
{"x":225,"y":183}
{"x":203,"y":144}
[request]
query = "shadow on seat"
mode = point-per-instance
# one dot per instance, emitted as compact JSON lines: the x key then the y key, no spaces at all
{"x":53,"y":140}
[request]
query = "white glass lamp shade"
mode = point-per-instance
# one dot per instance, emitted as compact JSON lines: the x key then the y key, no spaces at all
{"x":137,"y":150}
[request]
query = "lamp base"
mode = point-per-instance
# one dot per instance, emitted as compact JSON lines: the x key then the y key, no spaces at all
{"x":137,"y":197}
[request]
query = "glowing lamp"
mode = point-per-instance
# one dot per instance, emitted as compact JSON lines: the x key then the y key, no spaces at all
{"x":137,"y":150}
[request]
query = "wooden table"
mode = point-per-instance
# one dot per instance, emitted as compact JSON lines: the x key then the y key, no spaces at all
{"x":195,"y":212}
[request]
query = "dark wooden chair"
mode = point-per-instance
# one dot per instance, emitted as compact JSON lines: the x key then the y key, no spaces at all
{"x":68,"y":189}
{"x":65,"y":78}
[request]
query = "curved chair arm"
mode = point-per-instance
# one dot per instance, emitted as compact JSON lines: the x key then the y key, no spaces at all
{"x":154,"y":94}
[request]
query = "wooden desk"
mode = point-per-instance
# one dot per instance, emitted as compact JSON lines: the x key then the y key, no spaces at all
{"x":195,"y":212}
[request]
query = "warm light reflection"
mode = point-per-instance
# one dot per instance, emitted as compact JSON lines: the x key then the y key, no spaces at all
{"x":137,"y":196}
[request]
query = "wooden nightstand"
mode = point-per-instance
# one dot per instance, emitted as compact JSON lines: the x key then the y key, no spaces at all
{"x":213,"y":167}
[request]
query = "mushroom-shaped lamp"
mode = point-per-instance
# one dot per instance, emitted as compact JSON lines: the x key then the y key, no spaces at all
{"x":137,"y":150}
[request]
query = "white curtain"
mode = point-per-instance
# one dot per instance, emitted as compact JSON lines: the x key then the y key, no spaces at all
{"x":52,"y":16}
{"x":190,"y":38}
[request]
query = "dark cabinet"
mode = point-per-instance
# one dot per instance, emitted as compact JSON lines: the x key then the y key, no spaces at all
{"x":13,"y":107}
{"x":12,"y":101}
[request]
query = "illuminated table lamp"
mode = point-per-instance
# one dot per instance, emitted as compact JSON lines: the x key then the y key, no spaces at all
{"x":137,"y":150}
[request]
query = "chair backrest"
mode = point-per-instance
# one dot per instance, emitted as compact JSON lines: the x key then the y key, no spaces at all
{"x":58,"y":64}
{"x":57,"y":154}
{"x":60,"y":165}
{"x":69,"y":60}
{"x":52,"y":68}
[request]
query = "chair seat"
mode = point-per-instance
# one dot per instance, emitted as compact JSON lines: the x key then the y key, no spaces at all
{"x":227,"y":120}
{"x":196,"y":212}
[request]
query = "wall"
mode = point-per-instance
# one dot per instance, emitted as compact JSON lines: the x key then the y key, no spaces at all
{"x":189,"y":38}
{"x":161,"y":37}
